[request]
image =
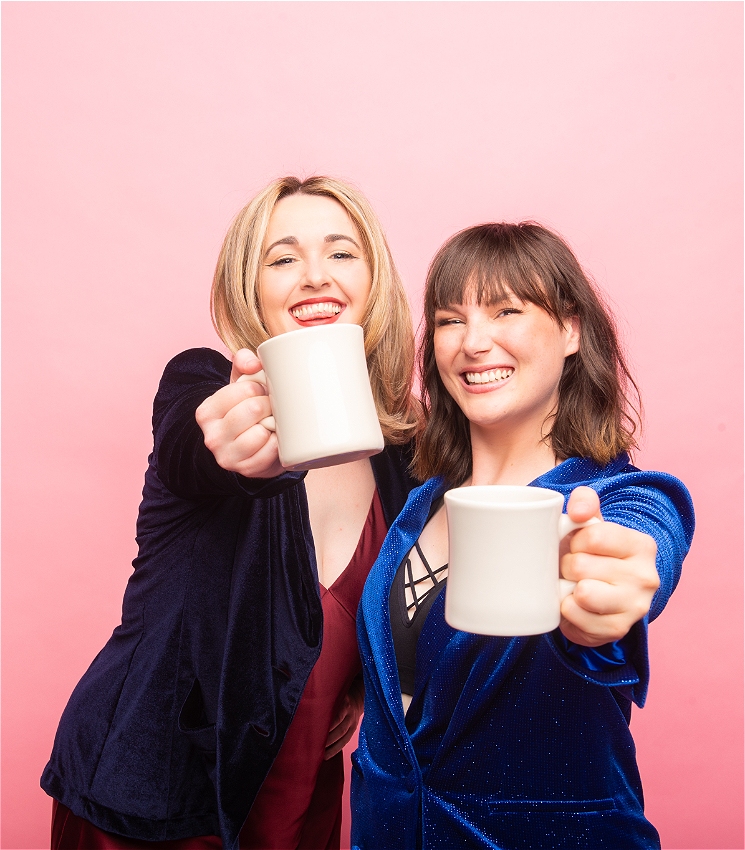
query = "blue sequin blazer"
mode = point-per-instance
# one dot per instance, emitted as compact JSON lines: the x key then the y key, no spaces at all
{"x":513,"y":743}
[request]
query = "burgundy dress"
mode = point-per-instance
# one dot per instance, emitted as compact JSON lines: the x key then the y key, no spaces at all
{"x":299,"y":806}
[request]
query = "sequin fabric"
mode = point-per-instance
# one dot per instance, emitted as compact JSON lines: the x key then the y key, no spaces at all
{"x":511,"y":743}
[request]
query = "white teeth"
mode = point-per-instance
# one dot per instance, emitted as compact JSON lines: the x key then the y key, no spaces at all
{"x":488,"y":377}
{"x":315,"y":310}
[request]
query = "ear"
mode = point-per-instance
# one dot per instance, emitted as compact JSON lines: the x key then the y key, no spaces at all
{"x":572,"y":336}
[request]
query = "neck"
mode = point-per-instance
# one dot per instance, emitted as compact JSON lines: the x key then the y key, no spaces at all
{"x":517,"y":458}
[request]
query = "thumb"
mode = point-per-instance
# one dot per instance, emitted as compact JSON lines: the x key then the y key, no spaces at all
{"x":583,"y":504}
{"x":245,"y":362}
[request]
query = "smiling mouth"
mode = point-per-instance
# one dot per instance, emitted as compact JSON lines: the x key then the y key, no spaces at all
{"x":491,"y":376}
{"x":321,"y":310}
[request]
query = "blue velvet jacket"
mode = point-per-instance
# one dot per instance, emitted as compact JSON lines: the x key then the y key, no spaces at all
{"x":510,"y":742}
{"x":171,"y":731}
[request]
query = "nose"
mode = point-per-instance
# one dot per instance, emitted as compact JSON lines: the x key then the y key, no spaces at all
{"x":477,"y":339}
{"x":315,"y":276}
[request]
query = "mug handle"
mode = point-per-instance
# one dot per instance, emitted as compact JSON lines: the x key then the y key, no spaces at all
{"x":260,"y":378}
{"x":565,"y":526}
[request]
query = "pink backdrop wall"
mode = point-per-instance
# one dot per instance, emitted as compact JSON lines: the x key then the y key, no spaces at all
{"x":132,"y":132}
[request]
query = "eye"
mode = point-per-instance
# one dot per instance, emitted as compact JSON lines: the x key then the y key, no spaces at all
{"x":443,"y":321}
{"x":342,"y":255}
{"x":282,"y":261}
{"x":509,"y":311}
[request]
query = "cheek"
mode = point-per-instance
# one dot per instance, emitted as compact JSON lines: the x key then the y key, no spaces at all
{"x":274,"y":290}
{"x":444,"y":350}
{"x":544,"y":348}
{"x":357,"y":290}
{"x":550,"y":367}
{"x":364,"y":287}
{"x":263,"y":291}
{"x":271,"y":308}
{"x":438,"y":348}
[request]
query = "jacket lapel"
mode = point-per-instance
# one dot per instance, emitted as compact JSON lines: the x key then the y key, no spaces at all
{"x":377,"y":639}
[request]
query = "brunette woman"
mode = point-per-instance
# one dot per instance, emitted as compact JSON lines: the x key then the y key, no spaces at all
{"x":220,"y":705}
{"x":488,"y":742}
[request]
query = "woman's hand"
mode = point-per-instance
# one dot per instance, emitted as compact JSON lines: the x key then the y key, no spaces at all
{"x":346,"y":720}
{"x":615,"y":571}
{"x":231,"y":422}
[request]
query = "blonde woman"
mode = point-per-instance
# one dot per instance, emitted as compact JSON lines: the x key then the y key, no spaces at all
{"x":233,"y":682}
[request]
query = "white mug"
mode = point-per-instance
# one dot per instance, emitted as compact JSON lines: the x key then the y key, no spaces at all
{"x":503,"y":569}
{"x":319,"y":389}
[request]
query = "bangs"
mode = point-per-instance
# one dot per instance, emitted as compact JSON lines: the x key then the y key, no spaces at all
{"x":598,"y":404}
{"x":491,"y":264}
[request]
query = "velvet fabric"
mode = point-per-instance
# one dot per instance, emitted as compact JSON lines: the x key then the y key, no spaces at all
{"x":299,"y":805}
{"x":69,"y":832}
{"x":172,"y":729}
{"x":510,"y":743}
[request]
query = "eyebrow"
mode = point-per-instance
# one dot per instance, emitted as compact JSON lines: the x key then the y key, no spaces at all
{"x":292,"y":240}
{"x":336,"y":237}
{"x":287,"y":240}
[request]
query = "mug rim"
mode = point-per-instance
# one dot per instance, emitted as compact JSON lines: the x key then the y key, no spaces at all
{"x":318,"y":328}
{"x":538,"y":496}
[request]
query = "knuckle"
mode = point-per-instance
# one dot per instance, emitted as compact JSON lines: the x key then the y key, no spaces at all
{"x":581,"y":565}
{"x":254,"y":407}
{"x":250,"y":389}
{"x":650,"y":545}
{"x":594,"y":534}
{"x":211,"y":441}
{"x":203,"y":414}
{"x":582,"y":594}
{"x":641,"y":609}
{"x":649,"y":578}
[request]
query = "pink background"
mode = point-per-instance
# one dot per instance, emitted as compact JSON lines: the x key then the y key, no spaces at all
{"x":132,"y":132}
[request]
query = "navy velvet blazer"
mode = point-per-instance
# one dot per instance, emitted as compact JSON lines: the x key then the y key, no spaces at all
{"x":513,"y":743}
{"x":172,"y":729}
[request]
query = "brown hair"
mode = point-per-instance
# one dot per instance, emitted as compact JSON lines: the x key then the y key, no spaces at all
{"x":595,"y":416}
{"x":389,"y":341}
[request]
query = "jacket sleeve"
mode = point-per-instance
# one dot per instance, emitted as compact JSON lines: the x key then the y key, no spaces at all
{"x":659,"y":505}
{"x":184,"y":464}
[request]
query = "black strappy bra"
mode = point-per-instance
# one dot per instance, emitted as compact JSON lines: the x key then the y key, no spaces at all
{"x":407,"y":626}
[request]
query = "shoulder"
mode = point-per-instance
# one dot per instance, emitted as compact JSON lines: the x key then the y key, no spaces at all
{"x":620,"y":483}
{"x":628,"y":495}
{"x":615,"y":476}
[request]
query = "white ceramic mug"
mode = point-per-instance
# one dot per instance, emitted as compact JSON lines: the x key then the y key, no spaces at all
{"x":320,"y":394}
{"x":503,"y":573}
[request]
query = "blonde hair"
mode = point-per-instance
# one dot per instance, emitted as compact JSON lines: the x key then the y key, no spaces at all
{"x":387,"y":325}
